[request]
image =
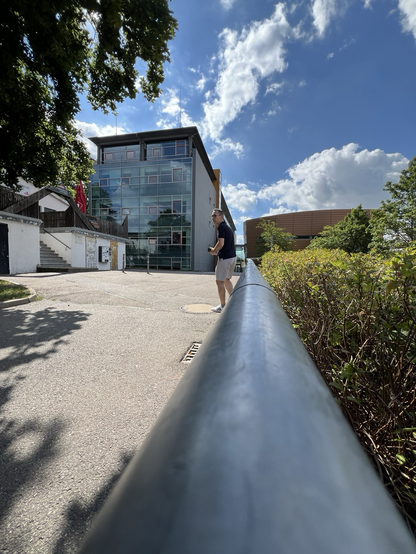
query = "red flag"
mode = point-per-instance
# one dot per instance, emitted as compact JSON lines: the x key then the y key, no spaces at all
{"x":80,"y":197}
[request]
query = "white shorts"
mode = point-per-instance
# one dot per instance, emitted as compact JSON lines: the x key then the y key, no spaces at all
{"x":225,"y":269}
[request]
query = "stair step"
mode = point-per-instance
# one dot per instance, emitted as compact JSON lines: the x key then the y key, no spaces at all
{"x":51,"y":259}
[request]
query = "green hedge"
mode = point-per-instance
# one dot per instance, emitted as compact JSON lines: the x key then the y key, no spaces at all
{"x":356,"y":315}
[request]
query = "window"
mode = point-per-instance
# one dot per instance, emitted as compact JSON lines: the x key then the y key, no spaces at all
{"x":125,"y":211}
{"x":152,"y":240}
{"x":176,"y":237}
{"x":129,"y":154}
{"x":156,"y":152}
{"x":103,"y":182}
{"x":152,"y":179}
{"x":152,"y":210}
{"x":176,"y":206}
{"x":180,"y":147}
{"x":104,"y":211}
{"x":125,"y":180}
{"x":108,"y":157}
{"x":177,"y":174}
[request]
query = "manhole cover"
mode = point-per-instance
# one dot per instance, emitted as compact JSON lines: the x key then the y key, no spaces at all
{"x":197,"y":308}
{"x":190,"y":355}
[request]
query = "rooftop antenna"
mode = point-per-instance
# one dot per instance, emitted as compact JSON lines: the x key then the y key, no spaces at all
{"x":180,"y":107}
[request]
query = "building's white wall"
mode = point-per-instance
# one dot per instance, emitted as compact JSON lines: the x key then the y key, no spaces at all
{"x":65,"y":249}
{"x":75,"y":255}
{"x":204,"y":230}
{"x":52,"y":201}
{"x":78,"y":258}
{"x":24,"y":251}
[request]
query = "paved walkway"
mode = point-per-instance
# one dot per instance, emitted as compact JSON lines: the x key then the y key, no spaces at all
{"x":84,"y":373}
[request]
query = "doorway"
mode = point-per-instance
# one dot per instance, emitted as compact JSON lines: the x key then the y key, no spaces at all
{"x":4,"y":249}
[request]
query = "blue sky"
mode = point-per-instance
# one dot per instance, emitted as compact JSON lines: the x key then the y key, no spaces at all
{"x":302,"y":105}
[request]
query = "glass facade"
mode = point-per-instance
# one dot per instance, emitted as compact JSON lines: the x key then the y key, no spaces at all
{"x":155,"y":194}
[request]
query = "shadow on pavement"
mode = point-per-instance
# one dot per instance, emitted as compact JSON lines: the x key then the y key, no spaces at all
{"x":24,"y":450}
{"x":79,"y":517}
{"x":27,"y":445}
{"x":24,"y":332}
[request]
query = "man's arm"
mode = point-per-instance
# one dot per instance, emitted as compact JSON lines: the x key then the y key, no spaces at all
{"x":215,"y":249}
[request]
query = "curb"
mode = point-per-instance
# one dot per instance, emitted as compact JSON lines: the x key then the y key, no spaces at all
{"x":18,"y":301}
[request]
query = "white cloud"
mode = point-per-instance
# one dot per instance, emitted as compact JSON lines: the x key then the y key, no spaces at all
{"x":244,"y":60}
{"x":240,"y":197}
{"x":173,"y":113}
{"x":408,"y":12}
{"x":94,"y":130}
{"x":325,"y":10}
{"x":200,"y":84}
{"x":274,"y":88}
{"x":226,"y":145}
{"x":241,"y":219}
{"x":277,"y":211}
{"x":227,"y":4}
{"x":336,"y":179}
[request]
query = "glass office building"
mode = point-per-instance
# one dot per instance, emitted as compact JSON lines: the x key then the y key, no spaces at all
{"x":164,"y":183}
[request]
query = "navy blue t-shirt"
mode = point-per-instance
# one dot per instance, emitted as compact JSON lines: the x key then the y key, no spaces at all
{"x":225,"y":232}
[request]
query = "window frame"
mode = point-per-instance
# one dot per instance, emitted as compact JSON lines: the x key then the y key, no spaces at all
{"x":174,"y":211}
{"x":179,"y":233}
{"x":176,"y":169}
{"x":180,"y":144}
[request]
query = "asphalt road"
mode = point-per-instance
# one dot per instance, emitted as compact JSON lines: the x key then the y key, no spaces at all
{"x":84,"y":374}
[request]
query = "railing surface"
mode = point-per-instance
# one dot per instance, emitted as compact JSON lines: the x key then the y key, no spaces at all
{"x":251,"y":455}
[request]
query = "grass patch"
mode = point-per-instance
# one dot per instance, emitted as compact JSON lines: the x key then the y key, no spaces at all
{"x":9,"y":291}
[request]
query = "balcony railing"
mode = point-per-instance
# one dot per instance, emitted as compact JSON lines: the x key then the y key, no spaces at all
{"x":69,"y":218}
{"x":250,"y":455}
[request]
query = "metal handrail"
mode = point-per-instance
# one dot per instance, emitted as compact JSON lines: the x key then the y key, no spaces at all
{"x":53,"y":236}
{"x":250,"y":455}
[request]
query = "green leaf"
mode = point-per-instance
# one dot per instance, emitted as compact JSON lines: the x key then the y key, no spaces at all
{"x":354,"y":399}
{"x":392,"y":285}
{"x":400,"y":458}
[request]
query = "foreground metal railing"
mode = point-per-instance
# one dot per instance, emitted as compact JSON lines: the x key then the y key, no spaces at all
{"x":250,"y":455}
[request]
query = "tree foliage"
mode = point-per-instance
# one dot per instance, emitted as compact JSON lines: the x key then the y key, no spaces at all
{"x":394,"y":224}
{"x":51,"y":52}
{"x":352,"y":234}
{"x":272,"y":236}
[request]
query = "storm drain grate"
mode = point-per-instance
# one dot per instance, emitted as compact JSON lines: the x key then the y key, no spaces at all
{"x":190,"y":355}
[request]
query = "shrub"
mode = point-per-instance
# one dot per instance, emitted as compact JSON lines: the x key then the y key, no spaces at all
{"x":356,"y":315}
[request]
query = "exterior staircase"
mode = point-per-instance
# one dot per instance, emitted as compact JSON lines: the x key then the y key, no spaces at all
{"x":51,"y":261}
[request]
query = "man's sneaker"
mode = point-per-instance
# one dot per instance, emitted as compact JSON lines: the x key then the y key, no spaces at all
{"x":217,"y":309}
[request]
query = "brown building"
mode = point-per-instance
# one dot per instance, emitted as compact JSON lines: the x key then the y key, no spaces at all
{"x":304,"y":226}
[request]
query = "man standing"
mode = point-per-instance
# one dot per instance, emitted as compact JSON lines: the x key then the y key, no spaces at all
{"x":225,"y":250}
